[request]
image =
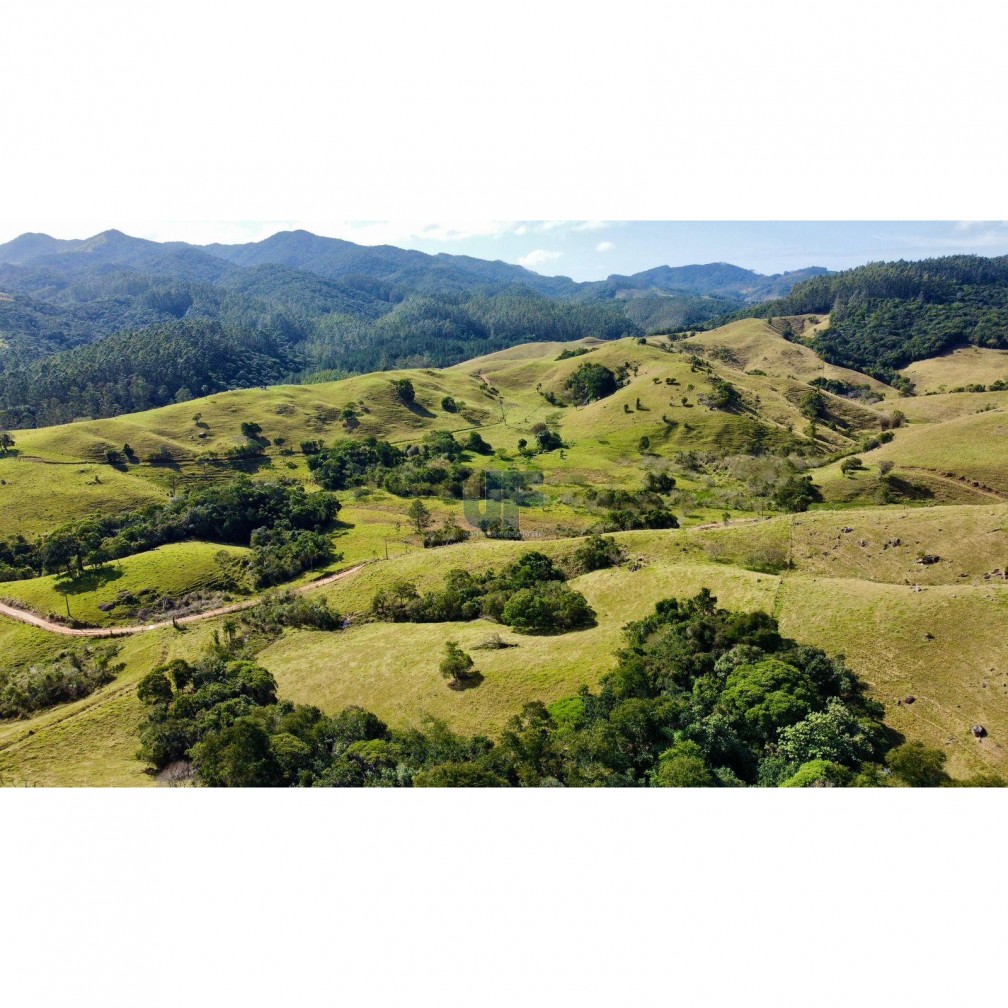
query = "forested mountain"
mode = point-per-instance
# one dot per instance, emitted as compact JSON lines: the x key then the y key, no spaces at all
{"x":140,"y":369}
{"x":884,"y":315}
{"x":298,"y":302}
{"x":719,"y":279}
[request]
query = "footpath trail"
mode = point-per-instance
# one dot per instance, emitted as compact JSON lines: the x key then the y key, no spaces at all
{"x":33,"y":619}
{"x":960,"y":481}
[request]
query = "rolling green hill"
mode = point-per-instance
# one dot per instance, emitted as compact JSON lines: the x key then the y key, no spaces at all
{"x":899,"y":567}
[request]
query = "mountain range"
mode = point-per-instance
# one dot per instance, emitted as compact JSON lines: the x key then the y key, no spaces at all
{"x":87,"y":326}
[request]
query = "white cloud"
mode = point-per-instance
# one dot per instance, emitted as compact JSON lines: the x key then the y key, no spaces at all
{"x":604,"y":247}
{"x":537,"y":257}
{"x":564,"y":225}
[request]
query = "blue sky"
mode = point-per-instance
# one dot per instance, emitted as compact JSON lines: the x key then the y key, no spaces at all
{"x":592,"y":250}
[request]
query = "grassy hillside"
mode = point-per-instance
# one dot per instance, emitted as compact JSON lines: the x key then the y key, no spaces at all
{"x":845,"y":576}
{"x":964,"y":366}
{"x":155,"y":582}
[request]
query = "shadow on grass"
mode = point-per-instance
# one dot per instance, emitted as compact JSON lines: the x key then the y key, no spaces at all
{"x":89,"y":581}
{"x":911,"y":491}
{"x":471,"y":681}
{"x":418,"y":410}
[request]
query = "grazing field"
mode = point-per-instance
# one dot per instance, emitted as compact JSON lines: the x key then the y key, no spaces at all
{"x":971,"y":365}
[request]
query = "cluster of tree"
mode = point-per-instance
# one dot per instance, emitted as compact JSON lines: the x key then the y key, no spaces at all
{"x":700,"y":697}
{"x":591,"y":382}
{"x":662,"y":314}
{"x":434,"y":467}
{"x":795,"y":493}
{"x":849,"y":390}
{"x":439,"y":328}
{"x":722,"y":395}
{"x":227,"y":512}
{"x":72,"y":675}
{"x":281,"y":553}
{"x":529,"y":595}
{"x":633,"y":509}
{"x":279,"y":610}
{"x":449,"y":534}
{"x":287,"y":320}
{"x":566,"y":354}
{"x":885,"y":315}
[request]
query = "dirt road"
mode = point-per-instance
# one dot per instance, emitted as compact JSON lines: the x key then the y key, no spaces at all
{"x":22,"y":616}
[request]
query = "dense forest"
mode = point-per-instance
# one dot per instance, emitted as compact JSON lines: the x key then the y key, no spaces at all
{"x":139,"y":369}
{"x":885,"y":315}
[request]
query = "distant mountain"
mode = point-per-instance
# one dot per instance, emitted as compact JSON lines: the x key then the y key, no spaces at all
{"x":70,"y":309}
{"x":336,"y":258}
{"x":113,"y":249}
{"x":720,"y":279}
{"x":31,"y":246}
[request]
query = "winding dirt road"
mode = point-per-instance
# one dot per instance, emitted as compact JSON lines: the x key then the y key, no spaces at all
{"x":33,"y":619}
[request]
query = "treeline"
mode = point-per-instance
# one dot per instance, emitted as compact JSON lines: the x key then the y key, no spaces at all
{"x":528,"y":595}
{"x":884,"y":316}
{"x":699,"y":697}
{"x":281,"y":521}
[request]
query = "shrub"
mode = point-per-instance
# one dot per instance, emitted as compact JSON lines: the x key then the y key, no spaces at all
{"x":596,"y":553}
{"x":548,"y":608}
{"x":914,"y":764}
{"x":72,"y":676}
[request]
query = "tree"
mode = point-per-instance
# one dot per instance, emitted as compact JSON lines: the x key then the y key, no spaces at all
{"x":154,"y":688}
{"x":467,"y":775}
{"x":590,"y":382}
{"x":914,"y":764}
{"x":251,"y":430}
{"x":834,"y":734}
{"x":683,"y":766}
{"x":6,"y":442}
{"x":885,"y":467}
{"x":852,"y":464}
{"x":795,"y":494}
{"x":238,"y":756}
{"x":449,"y":405}
{"x":475,"y":443}
{"x":403,"y":390}
{"x":596,"y":553}
{"x":820,"y":773}
{"x":419,"y":515}
{"x":763,"y":697}
{"x":457,"y":666}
